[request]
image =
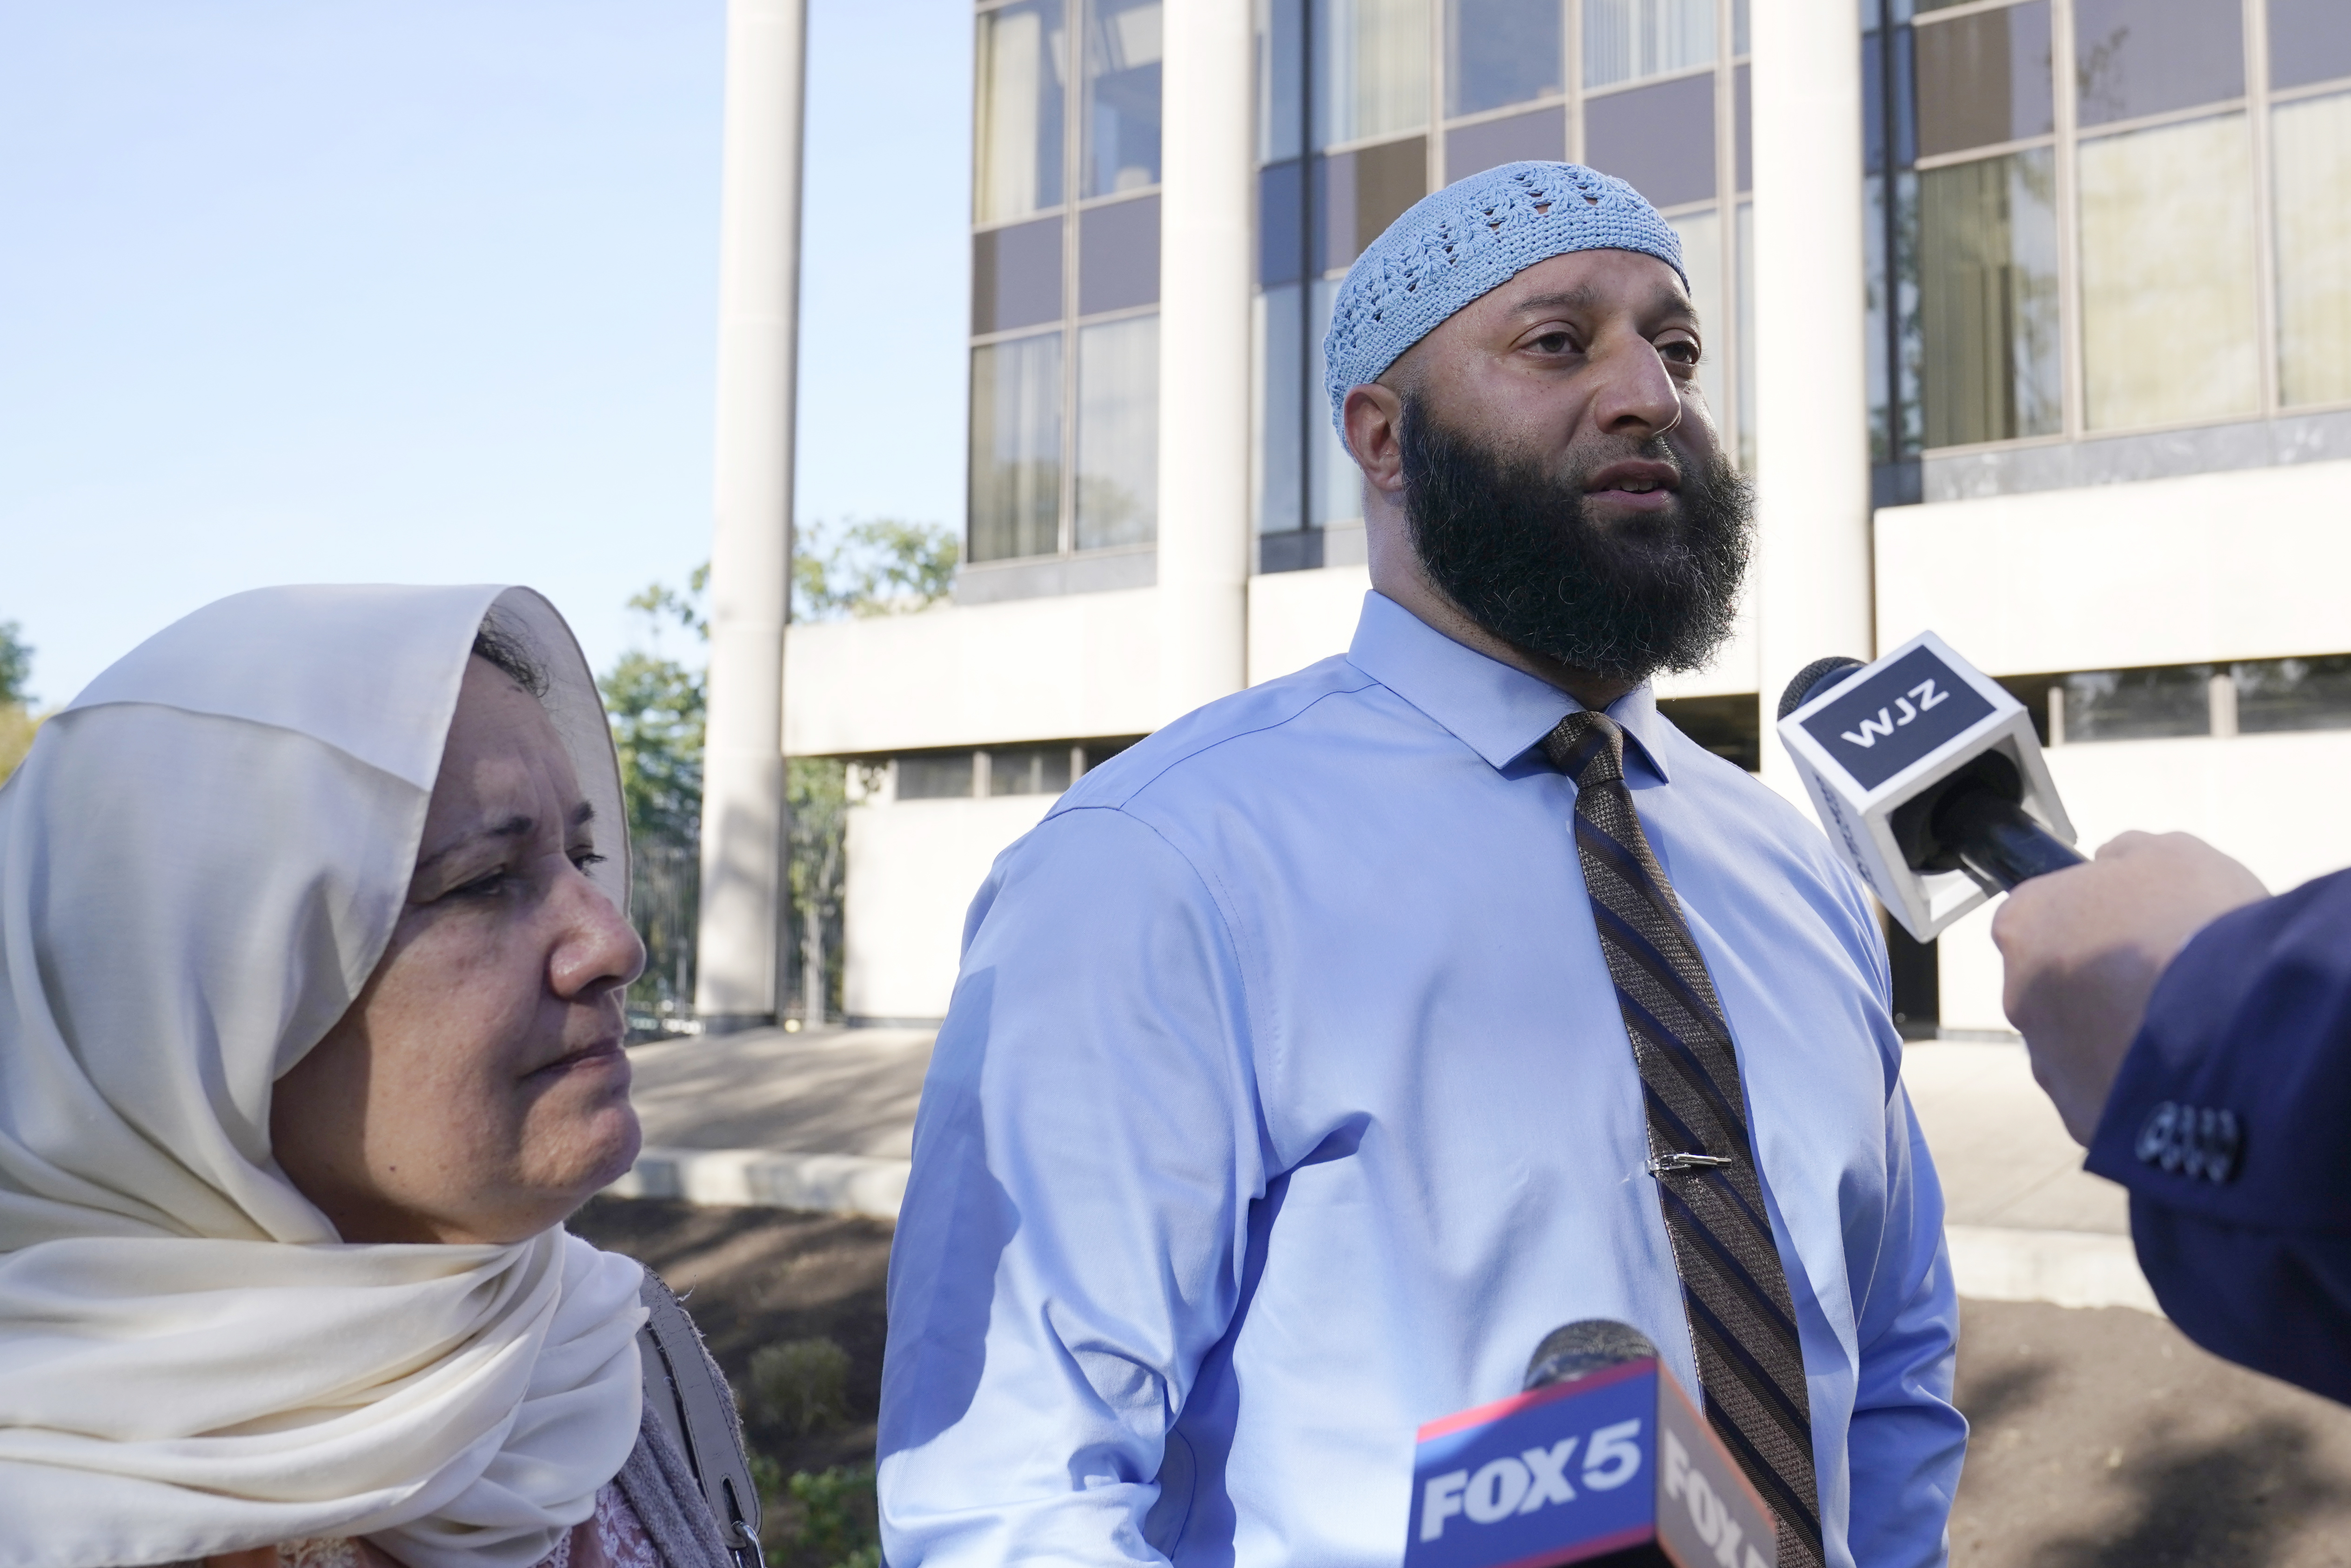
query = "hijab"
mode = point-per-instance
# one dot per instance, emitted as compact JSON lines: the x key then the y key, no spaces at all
{"x":201,"y":861}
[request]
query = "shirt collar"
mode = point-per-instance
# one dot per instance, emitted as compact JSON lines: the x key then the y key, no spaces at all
{"x":1497,"y":712}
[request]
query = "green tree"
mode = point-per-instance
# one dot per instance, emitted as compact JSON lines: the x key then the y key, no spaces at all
{"x":879,"y":567}
{"x":659,"y":710}
{"x":15,"y":666}
{"x":17,"y":721}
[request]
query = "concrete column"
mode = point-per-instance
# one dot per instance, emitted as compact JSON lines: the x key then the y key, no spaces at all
{"x":744,"y":839}
{"x":1205,"y":256}
{"x":1813,"y":590}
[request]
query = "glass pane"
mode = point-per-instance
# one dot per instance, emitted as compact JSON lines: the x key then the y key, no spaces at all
{"x":2310,"y":40}
{"x":1016,"y":276}
{"x":1984,"y":79}
{"x":1281,"y":79}
{"x":935,"y":775}
{"x":2293,"y":693}
{"x":1283,"y":404}
{"x":1118,"y":255}
{"x":1739,"y":27}
{"x":1358,"y":194}
{"x":1701,"y":236}
{"x":1371,"y":68}
{"x":1987,"y":293}
{"x":2138,"y":704}
{"x":1121,"y":124}
{"x":1742,"y":107}
{"x":1334,"y":485}
{"x":2311,"y":153}
{"x":2143,"y":56}
{"x":1470,"y":147}
{"x":1118,"y":432}
{"x":1746,"y":260}
{"x":2170,"y":329}
{"x":1028,"y":770}
{"x":1281,"y":223}
{"x":1017,"y":149}
{"x":1016,"y":448}
{"x":1659,"y":140}
{"x":1625,"y":40}
{"x":1501,"y":52}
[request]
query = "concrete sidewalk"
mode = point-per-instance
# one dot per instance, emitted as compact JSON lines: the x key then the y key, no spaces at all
{"x":824,"y":1119}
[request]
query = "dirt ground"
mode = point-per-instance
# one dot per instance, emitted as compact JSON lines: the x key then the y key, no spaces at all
{"x":2101,"y":1439}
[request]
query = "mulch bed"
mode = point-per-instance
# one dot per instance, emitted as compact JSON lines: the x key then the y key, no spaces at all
{"x":2102,"y":1439}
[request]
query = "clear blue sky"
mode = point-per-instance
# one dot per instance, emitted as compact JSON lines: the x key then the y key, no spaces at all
{"x":424,"y":290}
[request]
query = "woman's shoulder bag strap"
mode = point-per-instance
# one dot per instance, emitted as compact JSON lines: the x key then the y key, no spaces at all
{"x":690,"y":1401}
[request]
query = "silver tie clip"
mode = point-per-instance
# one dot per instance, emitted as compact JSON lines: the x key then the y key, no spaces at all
{"x":1664,"y":1165}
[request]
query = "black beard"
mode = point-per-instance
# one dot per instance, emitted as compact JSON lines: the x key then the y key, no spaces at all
{"x":1514,"y":547}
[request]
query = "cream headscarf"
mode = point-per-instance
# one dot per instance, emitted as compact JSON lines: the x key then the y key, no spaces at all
{"x":201,"y":861}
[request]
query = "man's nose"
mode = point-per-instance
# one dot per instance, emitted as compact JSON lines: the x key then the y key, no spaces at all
{"x":1636,"y":394}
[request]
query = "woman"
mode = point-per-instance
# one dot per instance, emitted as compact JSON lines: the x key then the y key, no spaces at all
{"x":311,"y":970}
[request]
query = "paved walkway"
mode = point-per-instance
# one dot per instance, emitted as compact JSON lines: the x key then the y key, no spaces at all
{"x":824,"y":1119}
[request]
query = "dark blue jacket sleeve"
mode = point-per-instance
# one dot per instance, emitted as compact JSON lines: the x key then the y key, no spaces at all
{"x":2231,"y":1123}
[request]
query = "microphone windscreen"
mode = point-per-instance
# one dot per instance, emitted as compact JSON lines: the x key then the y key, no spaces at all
{"x":1819,"y":674}
{"x":1581,"y":1348}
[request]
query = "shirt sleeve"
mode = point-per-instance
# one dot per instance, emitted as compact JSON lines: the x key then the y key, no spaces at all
{"x":2225,"y":1123}
{"x":1070,"y":1245}
{"x":1908,"y":1438}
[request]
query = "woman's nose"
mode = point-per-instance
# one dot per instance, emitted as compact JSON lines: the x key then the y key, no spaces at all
{"x":598,"y":946}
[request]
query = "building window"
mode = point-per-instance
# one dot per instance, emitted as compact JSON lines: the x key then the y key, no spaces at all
{"x":2104,"y":215}
{"x":1044,"y":768}
{"x":1365,"y":106}
{"x":1065,"y":278}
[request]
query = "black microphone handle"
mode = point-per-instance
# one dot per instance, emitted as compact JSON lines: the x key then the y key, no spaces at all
{"x":1995,"y":843}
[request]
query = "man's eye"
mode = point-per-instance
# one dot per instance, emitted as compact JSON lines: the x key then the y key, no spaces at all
{"x":1554,"y":343}
{"x":1680,"y":350}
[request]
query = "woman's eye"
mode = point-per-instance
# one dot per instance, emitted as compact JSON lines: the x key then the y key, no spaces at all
{"x":586,"y":858}
{"x":487,"y":886}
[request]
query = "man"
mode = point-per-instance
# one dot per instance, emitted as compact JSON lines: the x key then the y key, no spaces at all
{"x":1318,"y":1055}
{"x":2196,"y":1034}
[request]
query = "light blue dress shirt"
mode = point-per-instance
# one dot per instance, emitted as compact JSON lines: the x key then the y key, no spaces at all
{"x":1284,"y":1105}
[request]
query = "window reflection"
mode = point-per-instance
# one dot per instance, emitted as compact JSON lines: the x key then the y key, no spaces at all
{"x":1284,"y":399}
{"x":1281,"y":79}
{"x":1985,"y":78}
{"x":1334,"y":488}
{"x":2137,"y":705}
{"x":1472,"y":147}
{"x":1358,"y":194}
{"x":1659,"y":140}
{"x":1502,"y":52}
{"x":1017,"y":151}
{"x":1118,"y":432}
{"x":2310,"y":146}
{"x":2310,"y":41}
{"x":1118,"y":255}
{"x":1016,"y":276}
{"x":1029,"y":769}
{"x":2275,"y":694}
{"x":1625,"y":40}
{"x":935,"y":776}
{"x":1701,"y":237}
{"x":1371,"y":73}
{"x":1988,"y":285}
{"x":2169,"y":326}
{"x":1121,"y":124}
{"x":1016,"y":448}
{"x":2145,"y":56}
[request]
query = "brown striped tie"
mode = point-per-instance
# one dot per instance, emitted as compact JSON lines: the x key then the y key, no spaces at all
{"x":1750,"y":1363}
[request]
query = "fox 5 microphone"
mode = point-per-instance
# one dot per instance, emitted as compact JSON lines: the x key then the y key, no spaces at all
{"x":1929,"y":778}
{"x":1602,"y":1461}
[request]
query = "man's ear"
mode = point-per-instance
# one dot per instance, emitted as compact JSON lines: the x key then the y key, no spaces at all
{"x":1374,"y":416}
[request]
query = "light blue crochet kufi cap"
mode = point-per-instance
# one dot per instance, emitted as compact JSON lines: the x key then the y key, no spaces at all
{"x":1470,"y":237}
